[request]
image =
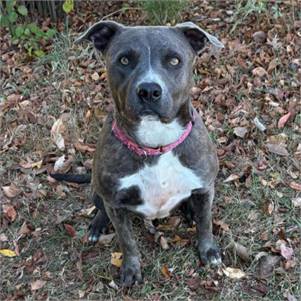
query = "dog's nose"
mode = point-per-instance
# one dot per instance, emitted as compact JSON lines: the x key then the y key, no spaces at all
{"x":149,"y":92}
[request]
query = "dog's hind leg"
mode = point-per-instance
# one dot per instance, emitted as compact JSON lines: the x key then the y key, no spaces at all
{"x":100,"y":222}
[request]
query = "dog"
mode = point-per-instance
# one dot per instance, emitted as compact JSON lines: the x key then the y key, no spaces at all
{"x":153,"y":153}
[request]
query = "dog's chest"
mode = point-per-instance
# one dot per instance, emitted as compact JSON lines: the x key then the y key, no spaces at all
{"x":163,"y":185}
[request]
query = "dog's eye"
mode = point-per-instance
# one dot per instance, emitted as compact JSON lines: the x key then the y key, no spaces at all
{"x":124,"y":61}
{"x":174,"y":61}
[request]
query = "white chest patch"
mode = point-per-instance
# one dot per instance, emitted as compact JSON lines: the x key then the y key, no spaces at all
{"x":154,"y":133}
{"x":163,"y":185}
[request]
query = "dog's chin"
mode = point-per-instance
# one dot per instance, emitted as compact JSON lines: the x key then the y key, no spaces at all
{"x":153,"y":115}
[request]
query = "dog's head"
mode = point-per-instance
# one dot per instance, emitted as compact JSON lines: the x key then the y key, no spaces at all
{"x":149,"y":67}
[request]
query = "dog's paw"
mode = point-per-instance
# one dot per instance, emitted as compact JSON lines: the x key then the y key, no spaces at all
{"x":130,"y":272}
{"x":209,"y":253}
{"x":94,"y":234}
{"x":97,"y":227}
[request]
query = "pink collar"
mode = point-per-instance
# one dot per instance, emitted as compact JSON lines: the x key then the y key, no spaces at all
{"x":148,"y":151}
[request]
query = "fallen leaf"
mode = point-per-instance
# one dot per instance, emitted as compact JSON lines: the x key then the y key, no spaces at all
{"x":179,"y":241}
{"x":194,"y":282}
{"x":3,"y":237}
{"x":163,"y":243}
{"x":259,"y":71}
{"x":86,"y":212}
{"x":294,"y":185}
{"x":231,"y":178}
{"x":288,"y":264}
{"x":283,"y":120}
{"x":59,"y":163}
{"x":8,"y":253}
{"x":9,"y":212}
{"x":24,"y":230}
{"x":241,"y":251}
{"x":37,"y":164}
{"x":57,"y":130}
{"x":95,"y":76}
{"x":278,"y":149}
{"x":267,"y":265}
{"x":81,"y":147}
{"x":221,"y":224}
{"x":116,"y":259}
{"x":234,"y":273}
{"x":296,"y":202}
{"x":270,"y":208}
{"x":286,"y":252}
{"x":273,"y":64}
{"x":11,"y":191}
{"x":259,"y":124}
{"x":37,"y":284}
{"x":240,"y":131}
{"x":259,"y":36}
{"x":106,"y":239}
{"x":165,"y":271}
{"x":70,"y":230}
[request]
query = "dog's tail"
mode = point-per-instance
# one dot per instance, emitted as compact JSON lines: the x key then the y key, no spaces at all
{"x":80,"y":179}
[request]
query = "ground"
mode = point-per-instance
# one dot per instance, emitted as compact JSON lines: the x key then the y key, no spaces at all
{"x":52,"y":110}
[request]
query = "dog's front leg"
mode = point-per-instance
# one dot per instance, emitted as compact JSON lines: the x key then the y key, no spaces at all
{"x":201,"y":202}
{"x":131,"y":269}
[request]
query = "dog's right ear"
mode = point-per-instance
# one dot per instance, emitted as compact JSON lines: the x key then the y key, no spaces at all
{"x":101,"y":34}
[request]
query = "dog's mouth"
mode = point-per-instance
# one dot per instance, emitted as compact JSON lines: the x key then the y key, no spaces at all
{"x":158,"y":115}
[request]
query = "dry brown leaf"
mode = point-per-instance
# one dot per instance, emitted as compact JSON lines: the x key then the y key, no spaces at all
{"x":231,"y":178}
{"x":95,"y":76}
{"x":70,"y":230}
{"x":278,"y":149}
{"x":163,"y":243}
{"x":37,"y":284}
{"x":11,"y":191}
{"x":283,"y":120}
{"x":165,"y":271}
{"x":24,"y":230}
{"x":259,"y":36}
{"x":294,"y":185}
{"x":116,"y":259}
{"x":273,"y":64}
{"x":3,"y":237}
{"x":234,"y":273}
{"x":179,"y":241}
{"x":259,"y":124}
{"x":57,"y":130}
{"x":267,"y":265}
{"x":9,"y":212}
{"x":241,"y":251}
{"x":87,"y":211}
{"x":240,"y":131}
{"x":81,"y":147}
{"x":259,"y":71}
{"x":286,"y":252}
{"x":59,"y":163}
{"x":221,"y":224}
{"x":106,"y":239}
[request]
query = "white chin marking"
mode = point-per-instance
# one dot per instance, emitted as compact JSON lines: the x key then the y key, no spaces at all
{"x":152,"y":132}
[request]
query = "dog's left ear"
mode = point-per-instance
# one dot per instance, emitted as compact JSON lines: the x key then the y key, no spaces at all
{"x":196,"y":36}
{"x":101,"y":34}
